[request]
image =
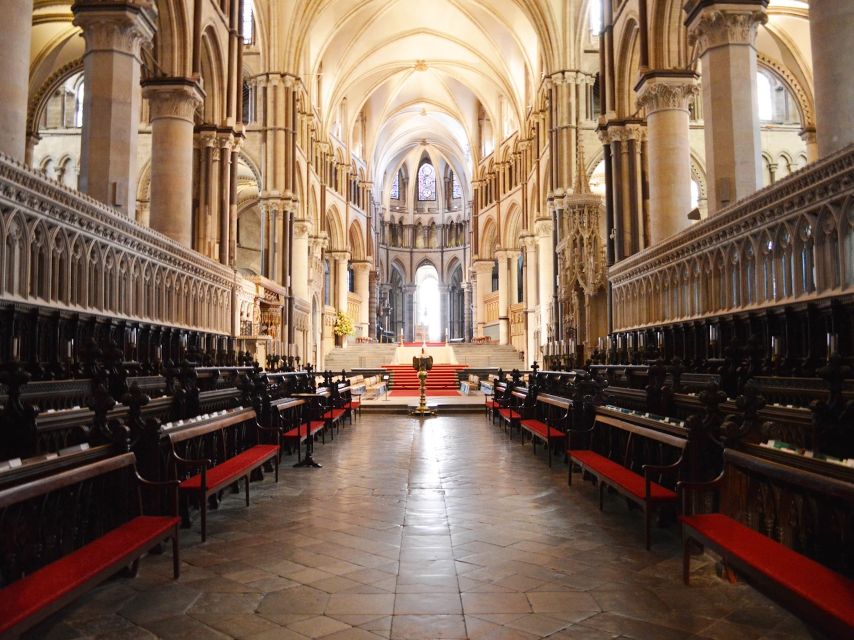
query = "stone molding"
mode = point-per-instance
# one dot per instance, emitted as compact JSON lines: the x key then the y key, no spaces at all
{"x":728,"y":25}
{"x":178,"y":99}
{"x":666,"y":93}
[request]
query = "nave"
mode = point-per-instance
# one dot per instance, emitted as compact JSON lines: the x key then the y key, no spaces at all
{"x":441,"y":528}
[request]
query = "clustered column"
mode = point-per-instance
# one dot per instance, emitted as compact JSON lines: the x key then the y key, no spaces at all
{"x":114,"y":33}
{"x":483,"y":286}
{"x":531,"y":295}
{"x":361,"y":273}
{"x":173,"y":102}
{"x":725,"y":36}
{"x":545,"y":251}
{"x":665,"y":96}
{"x":503,"y":299}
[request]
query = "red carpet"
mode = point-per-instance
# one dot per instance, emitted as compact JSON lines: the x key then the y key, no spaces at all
{"x":410,"y":393}
{"x":427,"y":344}
{"x":441,"y":377}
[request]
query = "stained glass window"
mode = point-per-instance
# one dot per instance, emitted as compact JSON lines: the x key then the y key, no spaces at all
{"x":456,"y":189}
{"x":395,"y":187}
{"x":426,"y":182}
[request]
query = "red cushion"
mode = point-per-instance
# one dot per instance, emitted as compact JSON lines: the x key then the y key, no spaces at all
{"x":26,"y":596}
{"x":300,"y":432}
{"x":543,"y":429}
{"x":619,"y":475}
{"x":333,"y":414}
{"x":827,"y":590}
{"x":493,"y":404}
{"x":509,"y":414}
{"x":316,"y":425}
{"x":233,"y":468}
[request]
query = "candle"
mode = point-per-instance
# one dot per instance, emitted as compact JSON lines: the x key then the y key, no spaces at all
{"x":16,"y":347}
{"x":69,"y":348}
{"x":775,"y":346}
{"x":659,"y":339}
{"x":832,"y":344}
{"x":642,"y":339}
{"x":158,"y":352}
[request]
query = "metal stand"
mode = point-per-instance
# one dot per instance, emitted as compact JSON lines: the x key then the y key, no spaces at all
{"x":307,"y":461}
{"x":422,"y":411}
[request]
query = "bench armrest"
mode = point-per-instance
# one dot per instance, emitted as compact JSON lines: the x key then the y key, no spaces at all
{"x":685,"y":489}
{"x":662,"y":468}
{"x":154,"y":484}
{"x":203,"y":462}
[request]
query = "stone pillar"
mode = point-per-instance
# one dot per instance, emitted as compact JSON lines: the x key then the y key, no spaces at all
{"x":483,"y":287}
{"x":665,"y":96}
{"x":545,"y":257}
{"x":373,"y":302}
{"x":512,"y":258}
{"x":225,"y":143}
{"x":725,"y":35}
{"x":114,"y":34}
{"x":503,"y":258}
{"x":207,"y":151}
{"x":361,"y":274}
{"x":342,"y":287}
{"x":467,"y":311}
{"x":444,"y":310}
{"x":531,"y":298}
{"x":172,"y":102}
{"x":409,"y":312}
{"x":299,"y":277}
{"x":15,"y":32}
{"x":831,"y":35}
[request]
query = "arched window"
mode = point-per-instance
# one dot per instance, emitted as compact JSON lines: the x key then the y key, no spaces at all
{"x":766,"y":97}
{"x":426,"y":182}
{"x":78,"y":106}
{"x":247,"y":27}
{"x":395,"y":187}
{"x":456,"y":188}
{"x":775,"y":102}
{"x":595,"y":17}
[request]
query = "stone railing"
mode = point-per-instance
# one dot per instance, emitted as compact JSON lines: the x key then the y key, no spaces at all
{"x":61,"y":248}
{"x":791,"y":242}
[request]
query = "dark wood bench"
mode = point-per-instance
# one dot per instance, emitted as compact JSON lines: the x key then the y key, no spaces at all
{"x":622,"y":463}
{"x":66,"y":533}
{"x":211,"y":454}
{"x":792,"y":503}
{"x":547,"y":421}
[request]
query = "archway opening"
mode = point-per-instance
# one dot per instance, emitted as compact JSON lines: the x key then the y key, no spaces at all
{"x":427,"y":303}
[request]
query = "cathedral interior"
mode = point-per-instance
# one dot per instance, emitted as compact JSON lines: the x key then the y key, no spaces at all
{"x":240,"y":238}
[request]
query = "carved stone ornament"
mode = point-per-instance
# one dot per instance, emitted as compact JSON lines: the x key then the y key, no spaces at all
{"x":173,"y":100}
{"x":715,"y":27}
{"x":666,"y":94}
{"x":115,"y":26}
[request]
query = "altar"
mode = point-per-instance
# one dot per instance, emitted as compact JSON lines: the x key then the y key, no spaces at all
{"x":442,"y":354}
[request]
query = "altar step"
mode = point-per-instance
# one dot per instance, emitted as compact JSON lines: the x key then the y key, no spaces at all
{"x":440,"y":377}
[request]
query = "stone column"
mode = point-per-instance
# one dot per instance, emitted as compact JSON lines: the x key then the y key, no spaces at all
{"x":342,"y":287}
{"x":503,"y":258}
{"x":15,"y":32}
{"x":225,"y":142}
{"x":467,"y":311}
{"x":173,"y":103}
{"x":409,"y":312}
{"x":299,"y":277}
{"x":114,"y":34}
{"x":545,"y":257}
{"x":531,"y":297}
{"x":512,"y":262}
{"x":361,"y":274}
{"x":373,"y":301}
{"x":483,"y":287}
{"x":444,"y":310}
{"x":725,"y":35}
{"x":665,"y":96}
{"x":207,"y":146}
{"x":831,"y":35}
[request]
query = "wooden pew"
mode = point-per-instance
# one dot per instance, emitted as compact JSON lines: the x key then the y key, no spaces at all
{"x":547,"y":421}
{"x":65,"y":533}
{"x":210,"y":454}
{"x":793,"y":508}
{"x":612,"y":456}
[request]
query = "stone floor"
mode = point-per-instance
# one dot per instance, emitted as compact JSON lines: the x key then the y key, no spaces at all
{"x":442,"y":529}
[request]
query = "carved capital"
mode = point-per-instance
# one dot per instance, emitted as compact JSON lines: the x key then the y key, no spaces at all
{"x":666,"y":92}
{"x":716,"y":25}
{"x":543,"y":228}
{"x":483,"y":267}
{"x":115,"y":26}
{"x":173,"y":98}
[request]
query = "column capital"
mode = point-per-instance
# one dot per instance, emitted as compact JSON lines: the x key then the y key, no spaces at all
{"x":808,"y":135}
{"x":482,"y":266}
{"x":173,"y":98}
{"x":361,"y":265}
{"x":529,"y":241}
{"x":341,"y":256}
{"x":123,"y":25}
{"x":666,"y":90}
{"x":713,"y":24}
{"x":302,"y":229}
{"x":543,"y":227}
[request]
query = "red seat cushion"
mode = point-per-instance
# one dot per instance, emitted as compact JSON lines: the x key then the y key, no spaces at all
{"x":316,"y":425}
{"x":297,"y":432}
{"x":541,"y":428}
{"x":509,"y":414}
{"x":334,"y":414}
{"x":26,"y":596}
{"x":827,"y":590}
{"x":619,"y":475}
{"x":233,"y":468}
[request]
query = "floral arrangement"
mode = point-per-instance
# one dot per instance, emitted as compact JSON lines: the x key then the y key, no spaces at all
{"x":343,"y":325}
